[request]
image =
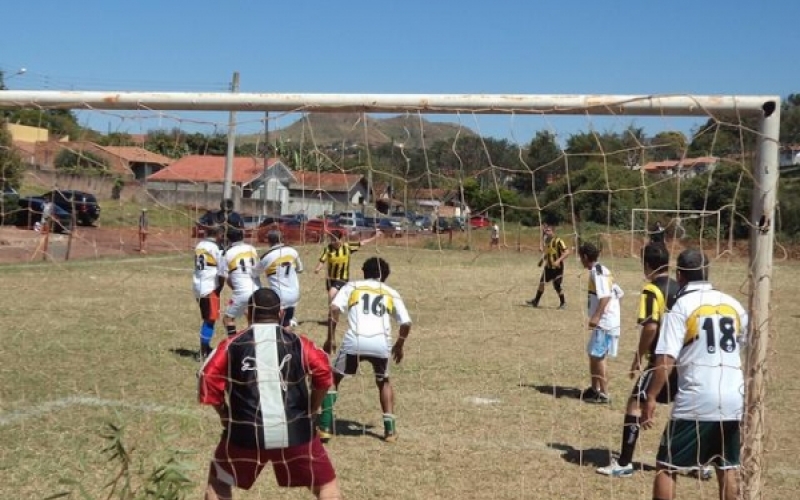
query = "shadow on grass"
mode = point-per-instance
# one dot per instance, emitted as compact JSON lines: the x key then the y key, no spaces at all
{"x":557,"y":391}
{"x":351,"y":428}
{"x":184,"y":353}
{"x":591,"y":457}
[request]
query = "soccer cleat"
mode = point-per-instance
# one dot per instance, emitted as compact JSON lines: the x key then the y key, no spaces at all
{"x":600,"y":399}
{"x":614,"y":469}
{"x":589,"y":394}
{"x":325,"y":435}
{"x":562,"y":306}
{"x":532,"y":303}
{"x":706,"y":473}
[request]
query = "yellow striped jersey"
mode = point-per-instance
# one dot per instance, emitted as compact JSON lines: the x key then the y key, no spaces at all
{"x":338,"y":260}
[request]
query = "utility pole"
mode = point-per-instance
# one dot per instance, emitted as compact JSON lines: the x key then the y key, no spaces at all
{"x":227,"y":187}
{"x":266,"y":162}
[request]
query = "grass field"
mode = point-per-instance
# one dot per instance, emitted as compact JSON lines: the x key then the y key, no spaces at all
{"x":486,"y":396}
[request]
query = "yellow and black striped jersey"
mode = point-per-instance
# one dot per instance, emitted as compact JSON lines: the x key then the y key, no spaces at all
{"x":338,"y":260}
{"x":554,"y":250}
{"x":657,"y":298}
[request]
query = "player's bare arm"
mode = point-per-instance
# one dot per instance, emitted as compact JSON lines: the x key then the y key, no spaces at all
{"x":663,"y":366}
{"x":647,"y":336}
{"x":397,"y":348}
{"x":598,"y":314}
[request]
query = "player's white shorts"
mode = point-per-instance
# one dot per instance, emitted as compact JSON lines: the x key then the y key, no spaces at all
{"x":603,"y":343}
{"x":237,"y":305}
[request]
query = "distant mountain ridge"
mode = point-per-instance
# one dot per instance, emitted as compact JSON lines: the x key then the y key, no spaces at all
{"x":328,"y":129}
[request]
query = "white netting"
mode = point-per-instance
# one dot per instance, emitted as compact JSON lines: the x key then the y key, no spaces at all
{"x":488,"y":396}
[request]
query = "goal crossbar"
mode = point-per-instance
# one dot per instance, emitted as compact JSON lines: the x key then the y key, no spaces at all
{"x":643,"y":105}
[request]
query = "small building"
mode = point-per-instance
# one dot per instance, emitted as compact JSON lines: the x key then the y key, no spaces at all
{"x":685,"y":168}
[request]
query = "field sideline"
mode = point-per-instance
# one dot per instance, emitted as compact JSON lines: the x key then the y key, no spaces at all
{"x":485,"y":397}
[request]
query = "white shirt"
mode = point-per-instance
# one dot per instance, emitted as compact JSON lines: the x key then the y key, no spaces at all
{"x":240,"y":261}
{"x":495,"y":231}
{"x":601,"y":285}
{"x":207,"y":261}
{"x":370,"y":306}
{"x":281,"y":265}
{"x":701,"y":333}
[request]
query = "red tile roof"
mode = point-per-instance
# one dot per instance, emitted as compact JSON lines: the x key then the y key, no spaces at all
{"x":657,"y":166}
{"x":325,"y":181}
{"x":211,"y":169}
{"x":135,"y":154}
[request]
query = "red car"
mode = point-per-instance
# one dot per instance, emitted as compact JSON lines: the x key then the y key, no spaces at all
{"x":479,"y":221}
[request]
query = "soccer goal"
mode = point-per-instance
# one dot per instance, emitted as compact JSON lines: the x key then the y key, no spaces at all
{"x":465,"y":190}
{"x":677,"y":225}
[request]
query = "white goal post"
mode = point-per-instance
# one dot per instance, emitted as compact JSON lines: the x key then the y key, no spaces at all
{"x":764,"y":172}
{"x":674,"y":224}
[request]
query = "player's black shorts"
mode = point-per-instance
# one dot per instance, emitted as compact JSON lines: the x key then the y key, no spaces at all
{"x":668,"y":392}
{"x":552,"y":273}
{"x":337,"y":284}
{"x":288,"y":315}
{"x":347,"y":364}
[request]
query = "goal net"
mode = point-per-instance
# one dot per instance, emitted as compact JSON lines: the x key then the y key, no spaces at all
{"x":102,"y":324}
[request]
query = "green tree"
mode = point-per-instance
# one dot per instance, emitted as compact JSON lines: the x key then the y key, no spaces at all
{"x":545,"y":160}
{"x":667,"y":145}
{"x":116,"y":139}
{"x":11,"y":166}
{"x":80,"y":162}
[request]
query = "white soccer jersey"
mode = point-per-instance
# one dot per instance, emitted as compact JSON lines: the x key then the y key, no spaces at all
{"x":207,"y":261}
{"x":370,"y":307}
{"x":601,"y":285}
{"x":281,"y":265}
{"x":701,"y":332}
{"x":239,"y":268}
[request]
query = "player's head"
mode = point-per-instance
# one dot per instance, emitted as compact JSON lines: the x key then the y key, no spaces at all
{"x":692,"y":266}
{"x":274,"y":237}
{"x":212,"y":232}
{"x":234,"y":234}
{"x":226,"y":205}
{"x":264,"y":306}
{"x":336,"y":237}
{"x":655,"y":258}
{"x":376,"y":268}
{"x":589,"y":253}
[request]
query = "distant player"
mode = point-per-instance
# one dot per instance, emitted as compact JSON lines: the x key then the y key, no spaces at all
{"x":604,"y":322}
{"x":657,"y":296}
{"x":144,"y":228}
{"x":239,"y":270}
{"x":701,"y":336}
{"x":495,"y":237}
{"x":555,"y":252}
{"x":282,"y":264}
{"x":207,"y":282}
{"x":370,"y":305}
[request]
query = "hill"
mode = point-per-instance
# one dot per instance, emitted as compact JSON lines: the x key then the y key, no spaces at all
{"x":328,"y":129}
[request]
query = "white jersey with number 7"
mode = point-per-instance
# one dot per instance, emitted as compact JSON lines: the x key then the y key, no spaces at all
{"x":281,"y":265}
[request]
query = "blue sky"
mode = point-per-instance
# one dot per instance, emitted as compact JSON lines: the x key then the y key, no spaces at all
{"x":525,"y":46}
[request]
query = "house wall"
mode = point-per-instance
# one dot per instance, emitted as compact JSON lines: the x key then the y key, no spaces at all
{"x":25,"y":133}
{"x":100,"y":186}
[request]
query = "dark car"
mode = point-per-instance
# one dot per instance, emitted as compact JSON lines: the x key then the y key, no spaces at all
{"x":83,"y":205}
{"x":30,"y":212}
{"x":441,"y":225}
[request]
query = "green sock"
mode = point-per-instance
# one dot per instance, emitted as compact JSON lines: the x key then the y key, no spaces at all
{"x":389,"y":426}
{"x":326,"y":417}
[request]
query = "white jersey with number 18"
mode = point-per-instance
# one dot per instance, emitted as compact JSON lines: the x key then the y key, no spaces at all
{"x":370,"y":307}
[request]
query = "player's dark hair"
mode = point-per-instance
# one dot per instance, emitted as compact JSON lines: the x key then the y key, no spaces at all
{"x":234,"y":234}
{"x":226,"y":205}
{"x":589,"y":251}
{"x":693,"y":265}
{"x":274,"y":237}
{"x":655,"y":256}
{"x":376,"y":268}
{"x":265,"y":306}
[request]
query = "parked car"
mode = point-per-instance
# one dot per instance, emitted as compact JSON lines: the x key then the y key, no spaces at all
{"x":295,"y":231}
{"x":441,"y":225}
{"x":9,"y":204}
{"x":480,"y":221}
{"x":83,"y":204}
{"x":390,"y":227}
{"x":30,"y":213}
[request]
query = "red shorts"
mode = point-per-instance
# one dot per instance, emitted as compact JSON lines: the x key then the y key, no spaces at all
{"x":209,"y":307}
{"x":305,"y":465}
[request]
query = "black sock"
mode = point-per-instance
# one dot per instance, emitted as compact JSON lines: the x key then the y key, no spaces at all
{"x":562,"y":299}
{"x":231,"y":329}
{"x":205,"y":350}
{"x":630,"y":434}
{"x":538,"y":296}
